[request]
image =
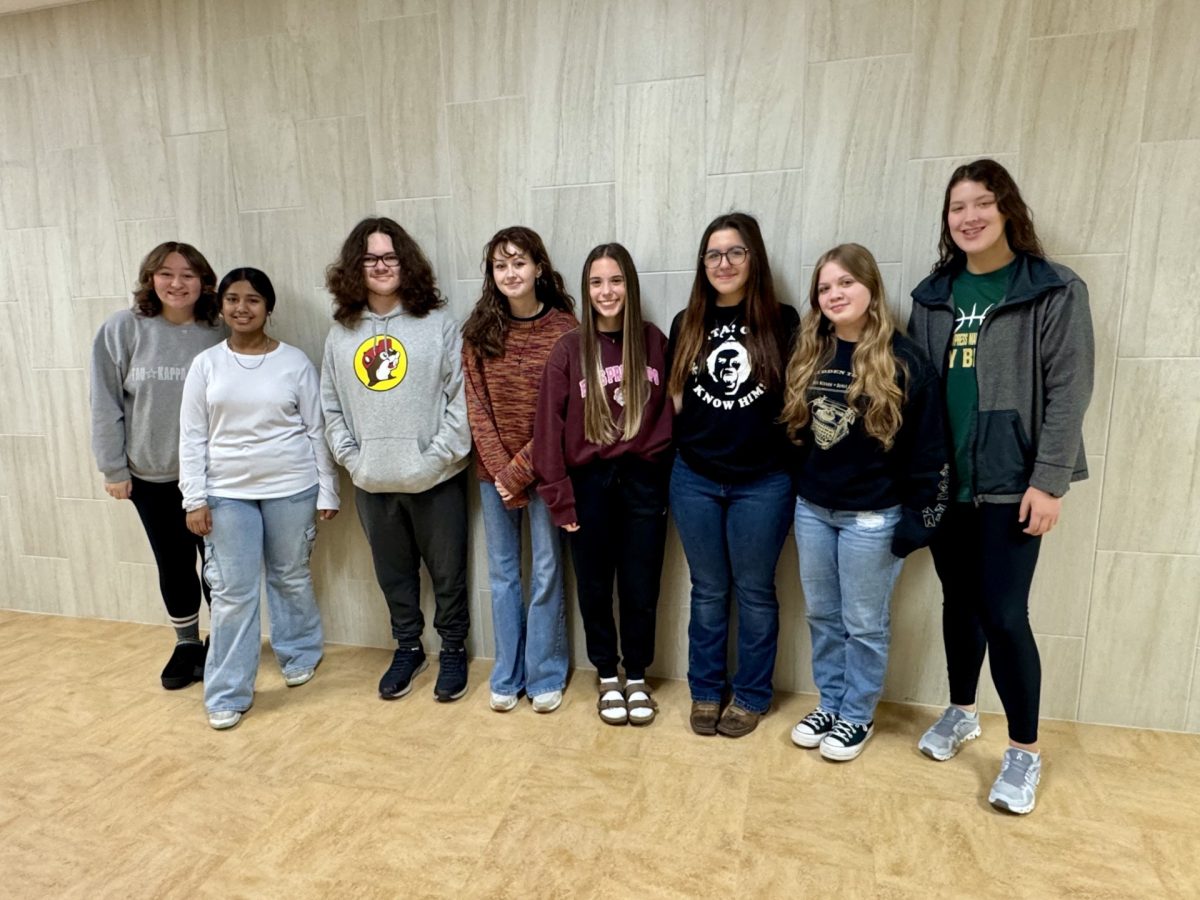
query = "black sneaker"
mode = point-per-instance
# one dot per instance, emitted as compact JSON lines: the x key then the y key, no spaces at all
{"x":185,"y":666}
{"x":452,"y":674}
{"x":407,"y":664}
{"x":811,"y":730}
{"x":846,"y":740}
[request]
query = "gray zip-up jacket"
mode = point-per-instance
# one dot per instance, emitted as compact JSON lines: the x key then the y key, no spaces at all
{"x":1033,"y":365}
{"x":392,"y":394}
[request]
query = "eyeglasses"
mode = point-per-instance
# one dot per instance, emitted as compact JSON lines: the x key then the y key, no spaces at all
{"x":370,"y":260}
{"x":735,"y":256}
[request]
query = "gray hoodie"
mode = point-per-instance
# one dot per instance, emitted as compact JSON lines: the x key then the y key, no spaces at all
{"x":1033,"y":364}
{"x":392,"y":393}
{"x":138,"y":368}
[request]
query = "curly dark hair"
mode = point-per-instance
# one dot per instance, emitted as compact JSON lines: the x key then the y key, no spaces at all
{"x":147,"y":304}
{"x":766,"y":342}
{"x":486,"y":327}
{"x":1018,"y":225}
{"x":418,"y":293}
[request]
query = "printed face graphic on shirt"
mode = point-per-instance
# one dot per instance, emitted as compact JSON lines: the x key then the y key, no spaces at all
{"x":729,"y":366}
{"x":380,"y":362}
{"x":831,"y":421}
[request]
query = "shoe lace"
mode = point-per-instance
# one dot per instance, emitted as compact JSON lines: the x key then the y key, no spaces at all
{"x":1015,"y":769}
{"x":819,"y":720}
{"x":453,"y":661}
{"x":843,"y":730}
{"x":403,"y":662}
{"x":948,"y":723}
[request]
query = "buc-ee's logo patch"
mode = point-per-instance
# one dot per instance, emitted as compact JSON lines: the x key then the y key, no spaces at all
{"x":380,"y":362}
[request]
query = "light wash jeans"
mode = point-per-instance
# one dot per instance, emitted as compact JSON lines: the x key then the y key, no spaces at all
{"x":246,"y":535}
{"x":848,"y":571}
{"x":732,"y":535}
{"x":531,"y":646}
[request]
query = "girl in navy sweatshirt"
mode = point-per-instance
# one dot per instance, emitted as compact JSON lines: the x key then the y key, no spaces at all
{"x":863,"y":404}
{"x":600,"y":448}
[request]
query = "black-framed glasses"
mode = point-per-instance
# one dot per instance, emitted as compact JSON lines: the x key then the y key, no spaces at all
{"x":370,"y":260}
{"x":735,"y":256}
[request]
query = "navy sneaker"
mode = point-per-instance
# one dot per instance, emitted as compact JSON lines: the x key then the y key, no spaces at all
{"x":452,"y":674}
{"x":407,"y":664}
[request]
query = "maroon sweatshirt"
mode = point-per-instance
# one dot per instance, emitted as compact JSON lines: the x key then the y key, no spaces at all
{"x":558,"y":441}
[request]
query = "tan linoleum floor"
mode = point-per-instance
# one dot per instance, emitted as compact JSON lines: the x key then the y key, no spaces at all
{"x":113,"y":787}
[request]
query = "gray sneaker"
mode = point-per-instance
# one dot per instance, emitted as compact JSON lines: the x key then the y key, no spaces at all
{"x":948,"y":734}
{"x":1016,"y":787}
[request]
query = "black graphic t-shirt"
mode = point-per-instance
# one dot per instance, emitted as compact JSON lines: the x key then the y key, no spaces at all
{"x":841,"y":467}
{"x":728,"y":428}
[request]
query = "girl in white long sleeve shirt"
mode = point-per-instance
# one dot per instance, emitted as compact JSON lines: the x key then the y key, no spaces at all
{"x":254,"y":469}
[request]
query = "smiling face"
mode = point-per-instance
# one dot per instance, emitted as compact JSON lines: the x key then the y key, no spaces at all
{"x":727,"y":278}
{"x":382,"y":277}
{"x":244,"y":309}
{"x":975,"y":221}
{"x":514,"y":273}
{"x":177,"y":285}
{"x":844,"y":300}
{"x":606,"y":292}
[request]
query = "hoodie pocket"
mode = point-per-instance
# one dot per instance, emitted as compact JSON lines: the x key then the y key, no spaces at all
{"x":1003,"y":453}
{"x":393,"y":464}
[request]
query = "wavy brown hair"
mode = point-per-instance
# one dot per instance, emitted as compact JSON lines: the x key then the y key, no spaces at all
{"x":598,"y":424}
{"x":487,"y":325}
{"x":147,"y":303}
{"x":766,"y":343}
{"x":1018,"y":225}
{"x":418,"y":293}
{"x":874,"y":393}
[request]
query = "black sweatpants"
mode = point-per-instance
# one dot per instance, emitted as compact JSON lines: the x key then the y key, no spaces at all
{"x":406,"y":529}
{"x":621,"y":508}
{"x":986,"y":564}
{"x":160,"y":507}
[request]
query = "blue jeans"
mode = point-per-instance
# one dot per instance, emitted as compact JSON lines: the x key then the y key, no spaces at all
{"x":848,"y":571}
{"x":732,"y":535}
{"x":531,"y":647}
{"x":246,"y":536}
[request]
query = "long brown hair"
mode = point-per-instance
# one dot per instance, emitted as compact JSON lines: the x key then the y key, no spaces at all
{"x":1018,"y":225}
{"x":487,"y":325}
{"x":766,"y":343}
{"x":147,"y":303}
{"x":418,"y":292}
{"x":874,"y":392}
{"x":598,"y":424}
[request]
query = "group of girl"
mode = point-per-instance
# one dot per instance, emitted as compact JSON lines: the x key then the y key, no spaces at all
{"x":747,"y":420}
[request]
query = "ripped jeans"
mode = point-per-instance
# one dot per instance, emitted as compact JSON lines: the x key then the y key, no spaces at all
{"x":847,"y":571}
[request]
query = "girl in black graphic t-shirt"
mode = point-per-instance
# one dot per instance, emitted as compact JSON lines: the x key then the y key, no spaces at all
{"x":730,"y":489}
{"x":863,"y":404}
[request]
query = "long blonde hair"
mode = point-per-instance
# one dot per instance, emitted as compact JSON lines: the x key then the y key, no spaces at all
{"x":874,"y":392}
{"x":598,"y":424}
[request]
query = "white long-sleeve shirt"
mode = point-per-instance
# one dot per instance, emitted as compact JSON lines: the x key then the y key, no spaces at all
{"x":251,"y":428}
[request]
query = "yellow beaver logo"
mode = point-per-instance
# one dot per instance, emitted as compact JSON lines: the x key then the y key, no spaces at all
{"x":380,"y":362}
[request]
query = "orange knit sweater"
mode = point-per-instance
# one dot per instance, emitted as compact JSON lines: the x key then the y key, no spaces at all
{"x":502,"y":398}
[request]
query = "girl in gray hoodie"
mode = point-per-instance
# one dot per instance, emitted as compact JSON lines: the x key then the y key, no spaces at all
{"x":396,"y":419}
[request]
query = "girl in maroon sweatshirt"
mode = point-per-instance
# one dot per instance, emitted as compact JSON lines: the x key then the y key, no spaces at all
{"x":601,"y":451}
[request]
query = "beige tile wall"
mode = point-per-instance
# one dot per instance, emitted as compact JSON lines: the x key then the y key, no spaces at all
{"x":262,"y":131}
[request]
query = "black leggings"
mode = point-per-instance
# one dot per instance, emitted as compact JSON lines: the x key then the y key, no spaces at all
{"x":160,"y":507}
{"x":621,"y":507}
{"x":986,"y":564}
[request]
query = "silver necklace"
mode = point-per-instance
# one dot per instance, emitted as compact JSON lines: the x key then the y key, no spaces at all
{"x":262,"y":358}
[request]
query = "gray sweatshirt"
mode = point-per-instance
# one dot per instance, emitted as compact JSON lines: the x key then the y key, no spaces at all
{"x":138,"y":368}
{"x":392,"y":394}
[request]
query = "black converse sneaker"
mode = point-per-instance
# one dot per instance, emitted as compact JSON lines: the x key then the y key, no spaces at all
{"x":846,"y":740}
{"x":810,"y":730}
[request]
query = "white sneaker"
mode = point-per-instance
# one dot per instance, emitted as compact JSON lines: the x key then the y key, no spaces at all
{"x":503,"y":702}
{"x":224,"y":718}
{"x":295,"y":679}
{"x":547,"y":702}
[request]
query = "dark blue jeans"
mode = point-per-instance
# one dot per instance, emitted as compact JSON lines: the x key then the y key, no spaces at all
{"x":732,"y":535}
